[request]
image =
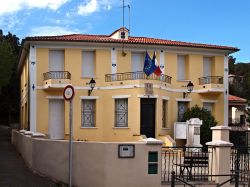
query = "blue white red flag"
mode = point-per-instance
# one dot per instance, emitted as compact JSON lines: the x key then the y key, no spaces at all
{"x":158,"y":69}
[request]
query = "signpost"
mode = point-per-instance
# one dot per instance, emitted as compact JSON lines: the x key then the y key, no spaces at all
{"x":68,"y":94}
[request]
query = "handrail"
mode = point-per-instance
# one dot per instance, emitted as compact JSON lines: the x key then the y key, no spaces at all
{"x":56,"y":75}
{"x":135,"y":76}
{"x":211,"y":80}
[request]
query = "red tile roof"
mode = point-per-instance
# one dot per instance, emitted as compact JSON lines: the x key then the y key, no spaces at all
{"x":233,"y":98}
{"x":131,"y":40}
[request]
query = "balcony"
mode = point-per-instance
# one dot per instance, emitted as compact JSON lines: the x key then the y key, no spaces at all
{"x":211,"y":80}
{"x":139,"y":75}
{"x":211,"y":84}
{"x":56,"y":79}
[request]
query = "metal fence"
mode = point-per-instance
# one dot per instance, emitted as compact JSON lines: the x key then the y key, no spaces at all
{"x":56,"y":75}
{"x":240,"y":162}
{"x":188,"y":163}
{"x":211,"y":80}
{"x":135,"y":76}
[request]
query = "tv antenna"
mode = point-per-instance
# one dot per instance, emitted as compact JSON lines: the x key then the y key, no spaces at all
{"x":123,"y":16}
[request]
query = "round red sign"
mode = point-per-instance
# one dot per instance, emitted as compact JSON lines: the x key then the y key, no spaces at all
{"x":68,"y":92}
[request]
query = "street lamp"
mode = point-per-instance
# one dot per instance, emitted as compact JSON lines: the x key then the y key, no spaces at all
{"x":190,"y":87}
{"x":91,"y":85}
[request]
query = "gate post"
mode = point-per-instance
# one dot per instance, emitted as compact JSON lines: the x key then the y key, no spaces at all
{"x":172,"y":179}
{"x":221,"y":153}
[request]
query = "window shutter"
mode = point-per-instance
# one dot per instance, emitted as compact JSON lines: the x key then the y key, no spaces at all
{"x":137,"y":62}
{"x":88,"y":64}
{"x":207,"y":66}
{"x":181,"y":67}
{"x":56,"y":60}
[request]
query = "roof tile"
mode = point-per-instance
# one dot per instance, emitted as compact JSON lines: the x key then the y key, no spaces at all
{"x":131,"y":40}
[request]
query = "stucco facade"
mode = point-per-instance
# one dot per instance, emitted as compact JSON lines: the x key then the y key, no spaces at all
{"x":112,"y":58}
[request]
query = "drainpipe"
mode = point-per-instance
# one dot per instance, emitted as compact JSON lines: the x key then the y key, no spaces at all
{"x":226,"y":90}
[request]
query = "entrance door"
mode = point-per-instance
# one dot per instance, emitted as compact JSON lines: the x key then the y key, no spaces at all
{"x":148,"y":117}
{"x":56,"y":118}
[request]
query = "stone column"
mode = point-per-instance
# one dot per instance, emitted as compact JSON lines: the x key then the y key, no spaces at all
{"x":221,"y":150}
{"x":193,"y":134}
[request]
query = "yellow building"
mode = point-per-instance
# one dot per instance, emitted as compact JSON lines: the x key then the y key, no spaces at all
{"x":124,"y":104}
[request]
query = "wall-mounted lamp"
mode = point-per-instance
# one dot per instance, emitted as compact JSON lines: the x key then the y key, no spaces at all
{"x":190,"y":87}
{"x":91,"y":85}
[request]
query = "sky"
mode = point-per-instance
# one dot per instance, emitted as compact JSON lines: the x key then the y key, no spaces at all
{"x":220,"y":22}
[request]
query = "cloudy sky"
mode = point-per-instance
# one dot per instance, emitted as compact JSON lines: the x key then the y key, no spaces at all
{"x":222,"y":22}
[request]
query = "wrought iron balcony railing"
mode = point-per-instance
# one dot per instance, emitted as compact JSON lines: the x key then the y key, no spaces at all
{"x":136,"y":76}
{"x":56,"y":75}
{"x":211,"y":80}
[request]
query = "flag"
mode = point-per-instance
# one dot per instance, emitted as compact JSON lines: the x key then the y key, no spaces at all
{"x":149,"y":65}
{"x":158,"y":69}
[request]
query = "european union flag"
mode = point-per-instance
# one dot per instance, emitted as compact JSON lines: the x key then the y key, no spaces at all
{"x":149,"y":65}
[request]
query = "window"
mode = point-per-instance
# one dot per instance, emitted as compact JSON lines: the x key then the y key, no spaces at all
{"x":121,"y":112}
{"x":88,"y":64}
{"x":56,"y":60}
{"x":88,"y":112}
{"x":137,"y":62}
{"x":182,"y":107}
{"x":181,"y":60}
{"x":208,"y":106}
{"x":164,"y":113}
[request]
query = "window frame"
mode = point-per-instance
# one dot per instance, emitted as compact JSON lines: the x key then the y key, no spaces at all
{"x":164,"y":113}
{"x":93,"y":125}
{"x":89,"y":74}
{"x":181,"y":75}
{"x":116,"y":113}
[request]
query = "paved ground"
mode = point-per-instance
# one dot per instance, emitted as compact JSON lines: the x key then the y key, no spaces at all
{"x":13,"y":171}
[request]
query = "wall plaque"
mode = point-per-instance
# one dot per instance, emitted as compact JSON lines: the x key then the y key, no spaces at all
{"x":149,"y":89}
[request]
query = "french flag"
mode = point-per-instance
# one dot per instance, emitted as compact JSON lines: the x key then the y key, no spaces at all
{"x":158,"y":69}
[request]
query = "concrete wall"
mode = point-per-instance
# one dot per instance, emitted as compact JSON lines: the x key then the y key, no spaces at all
{"x":94,"y":164}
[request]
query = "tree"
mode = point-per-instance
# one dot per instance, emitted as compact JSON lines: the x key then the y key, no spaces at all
{"x":7,"y":60}
{"x":9,"y":81}
{"x":208,"y":122}
{"x":231,"y":63}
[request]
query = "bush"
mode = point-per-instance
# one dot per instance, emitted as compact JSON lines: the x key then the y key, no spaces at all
{"x":208,"y":122}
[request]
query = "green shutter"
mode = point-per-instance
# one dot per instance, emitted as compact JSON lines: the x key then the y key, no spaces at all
{"x":153,"y":157}
{"x":153,"y":162}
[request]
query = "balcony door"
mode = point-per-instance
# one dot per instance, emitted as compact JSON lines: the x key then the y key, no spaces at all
{"x":137,"y":62}
{"x":148,"y":117}
{"x":207,"y":62}
{"x":56,"y":118}
{"x":56,"y":60}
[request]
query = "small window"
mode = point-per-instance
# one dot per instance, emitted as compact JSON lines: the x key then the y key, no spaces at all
{"x":164,"y":113}
{"x":121,"y":112}
{"x":181,"y":60}
{"x":88,"y":112}
{"x":182,"y":107}
{"x":88,"y":64}
{"x":208,"y":106}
